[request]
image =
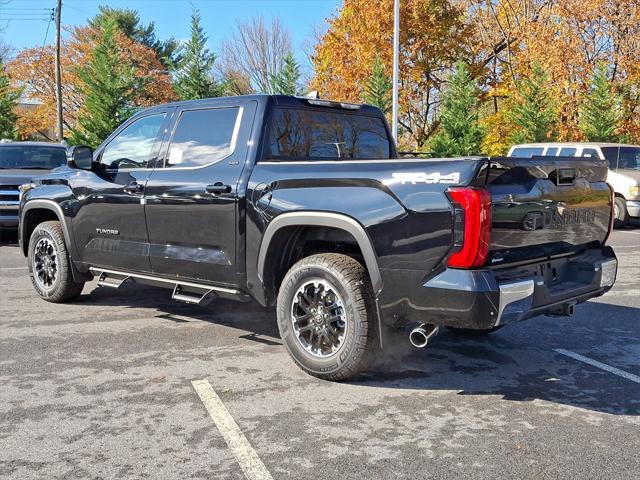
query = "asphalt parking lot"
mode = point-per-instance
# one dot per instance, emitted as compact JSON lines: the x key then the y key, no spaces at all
{"x":104,"y":388}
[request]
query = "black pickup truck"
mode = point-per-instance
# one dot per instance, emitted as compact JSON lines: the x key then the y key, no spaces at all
{"x":19,"y":163}
{"x":304,"y":205}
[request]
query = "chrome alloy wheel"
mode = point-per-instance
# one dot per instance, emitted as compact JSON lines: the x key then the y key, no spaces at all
{"x":319,"y":318}
{"x":45,"y":263}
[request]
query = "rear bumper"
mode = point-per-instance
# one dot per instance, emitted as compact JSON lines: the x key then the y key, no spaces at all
{"x":482,"y":299}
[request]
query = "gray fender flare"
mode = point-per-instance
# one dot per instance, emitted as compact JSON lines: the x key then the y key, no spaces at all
{"x":324,"y":219}
{"x":45,"y":205}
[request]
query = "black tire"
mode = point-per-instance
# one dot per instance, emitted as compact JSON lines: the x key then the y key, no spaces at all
{"x":470,"y":332}
{"x":354,"y":351}
{"x":621,"y":213}
{"x":49,"y":264}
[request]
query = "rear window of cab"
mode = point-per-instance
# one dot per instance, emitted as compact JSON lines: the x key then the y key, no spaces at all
{"x":308,"y":135}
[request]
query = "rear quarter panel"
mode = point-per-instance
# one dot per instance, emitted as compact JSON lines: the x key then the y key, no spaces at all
{"x":400,"y":203}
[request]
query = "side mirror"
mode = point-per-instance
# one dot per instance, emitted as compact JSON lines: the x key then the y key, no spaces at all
{"x":80,"y":157}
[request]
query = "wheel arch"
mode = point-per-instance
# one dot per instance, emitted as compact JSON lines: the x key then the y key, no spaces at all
{"x":318,"y":219}
{"x":35,"y":212}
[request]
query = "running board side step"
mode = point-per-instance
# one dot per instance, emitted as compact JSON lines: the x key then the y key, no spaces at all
{"x":112,"y":281}
{"x":189,"y":292}
{"x":196,"y":298}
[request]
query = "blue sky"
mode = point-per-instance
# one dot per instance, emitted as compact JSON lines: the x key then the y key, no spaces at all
{"x":171,"y":17}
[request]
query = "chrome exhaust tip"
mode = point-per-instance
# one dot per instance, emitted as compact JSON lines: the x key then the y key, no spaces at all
{"x":423,"y":334}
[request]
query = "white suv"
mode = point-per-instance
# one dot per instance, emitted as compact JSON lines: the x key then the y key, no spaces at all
{"x":624,"y":169}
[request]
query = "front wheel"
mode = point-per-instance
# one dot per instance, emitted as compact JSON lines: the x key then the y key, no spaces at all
{"x":326,"y":316}
{"x":50,"y":265}
{"x":620,"y":212}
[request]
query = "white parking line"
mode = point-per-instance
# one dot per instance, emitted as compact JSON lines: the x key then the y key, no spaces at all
{"x":13,"y":268}
{"x":600,"y":365}
{"x":246,"y":456}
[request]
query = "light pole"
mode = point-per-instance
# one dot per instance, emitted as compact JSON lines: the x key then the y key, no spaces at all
{"x":396,"y":67}
{"x":58,"y":75}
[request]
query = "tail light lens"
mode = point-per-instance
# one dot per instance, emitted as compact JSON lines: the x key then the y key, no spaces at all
{"x":473,"y":213}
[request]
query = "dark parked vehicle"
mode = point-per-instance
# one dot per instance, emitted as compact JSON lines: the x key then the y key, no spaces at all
{"x":20,"y":162}
{"x":303,"y":204}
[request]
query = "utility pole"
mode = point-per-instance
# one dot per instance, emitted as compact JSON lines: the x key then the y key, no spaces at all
{"x":396,"y":68}
{"x":58,"y":75}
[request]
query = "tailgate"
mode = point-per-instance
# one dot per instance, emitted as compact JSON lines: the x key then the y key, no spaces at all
{"x":546,"y":206}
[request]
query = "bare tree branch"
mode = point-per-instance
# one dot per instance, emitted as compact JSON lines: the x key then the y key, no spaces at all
{"x":256,"y":51}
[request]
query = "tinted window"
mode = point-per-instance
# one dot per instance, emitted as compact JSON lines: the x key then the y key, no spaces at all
{"x":590,"y":152}
{"x":131,"y":148}
{"x":551,"y":152}
{"x":611,"y":154}
{"x":202,"y":137}
{"x":325,"y":135}
{"x":527,"y":152}
{"x":622,"y":157}
{"x":36,"y":157}
{"x":568,"y":152}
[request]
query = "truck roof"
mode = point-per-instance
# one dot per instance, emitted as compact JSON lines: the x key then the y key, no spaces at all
{"x":31,"y":144}
{"x":280,"y":100}
{"x":574,"y":144}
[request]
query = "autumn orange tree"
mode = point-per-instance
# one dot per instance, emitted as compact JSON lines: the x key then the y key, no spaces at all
{"x":502,"y":41}
{"x":568,"y":39}
{"x":434,"y":36}
{"x":33,"y":69}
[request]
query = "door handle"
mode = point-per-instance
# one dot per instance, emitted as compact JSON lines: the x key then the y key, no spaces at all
{"x":218,"y":188}
{"x":133,"y":187}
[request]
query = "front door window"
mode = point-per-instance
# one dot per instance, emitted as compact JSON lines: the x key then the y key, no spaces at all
{"x":132,"y":147}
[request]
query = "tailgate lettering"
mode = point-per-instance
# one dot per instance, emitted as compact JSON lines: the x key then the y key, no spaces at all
{"x":572,"y":217}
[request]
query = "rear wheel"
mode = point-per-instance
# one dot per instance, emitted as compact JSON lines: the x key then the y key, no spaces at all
{"x":49,"y":264}
{"x":326,"y":316}
{"x":620,"y":212}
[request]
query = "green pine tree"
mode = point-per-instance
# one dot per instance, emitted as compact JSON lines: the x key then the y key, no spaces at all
{"x":601,"y":110}
{"x":109,"y":84}
{"x":534,"y":112}
{"x":8,"y":99}
{"x":377,"y":88}
{"x":128,"y":22}
{"x":287,"y":80}
{"x":194,"y":78}
{"x":459,"y":133}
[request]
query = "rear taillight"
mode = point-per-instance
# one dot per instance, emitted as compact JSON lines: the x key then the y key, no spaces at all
{"x":473,"y":213}
{"x":612,"y":218}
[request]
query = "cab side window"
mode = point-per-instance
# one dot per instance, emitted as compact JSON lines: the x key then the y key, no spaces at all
{"x":568,"y":152}
{"x":590,"y":152}
{"x":527,"y":152}
{"x":132,"y":147}
{"x":203,"y":137}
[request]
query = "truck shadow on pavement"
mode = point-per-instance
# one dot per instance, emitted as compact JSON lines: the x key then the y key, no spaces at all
{"x":515,"y":364}
{"x":512,"y":364}
{"x":258,"y":321}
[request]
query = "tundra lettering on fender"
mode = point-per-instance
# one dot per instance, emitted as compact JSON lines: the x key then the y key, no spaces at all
{"x":253,"y":197}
